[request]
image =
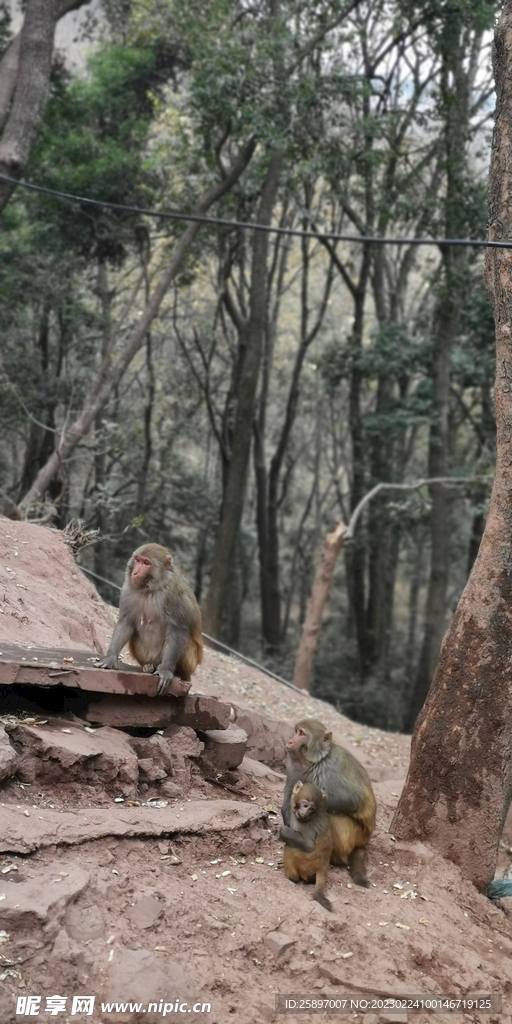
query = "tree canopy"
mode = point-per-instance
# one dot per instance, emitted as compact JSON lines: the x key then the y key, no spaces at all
{"x":235,"y":393}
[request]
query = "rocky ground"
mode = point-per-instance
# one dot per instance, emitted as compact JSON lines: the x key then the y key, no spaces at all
{"x":132,"y":872}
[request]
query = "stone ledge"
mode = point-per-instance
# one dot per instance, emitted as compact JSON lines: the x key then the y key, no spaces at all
{"x":42,"y":827}
{"x":123,"y":712}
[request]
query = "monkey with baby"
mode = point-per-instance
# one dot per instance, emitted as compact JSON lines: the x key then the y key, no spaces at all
{"x":328,"y":809}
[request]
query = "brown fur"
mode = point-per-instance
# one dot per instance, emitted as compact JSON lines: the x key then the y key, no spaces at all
{"x":312,"y":756}
{"x":159,"y":617}
{"x":309,"y":865}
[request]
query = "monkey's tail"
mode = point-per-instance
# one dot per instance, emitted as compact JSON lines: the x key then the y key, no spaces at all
{"x":499,"y":888}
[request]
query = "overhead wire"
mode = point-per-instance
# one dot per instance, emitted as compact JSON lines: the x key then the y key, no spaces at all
{"x":330,"y":236}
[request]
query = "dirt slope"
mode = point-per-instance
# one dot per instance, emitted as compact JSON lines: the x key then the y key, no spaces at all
{"x":212,"y":915}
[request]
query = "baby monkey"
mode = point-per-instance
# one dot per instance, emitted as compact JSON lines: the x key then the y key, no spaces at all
{"x":308,"y":839}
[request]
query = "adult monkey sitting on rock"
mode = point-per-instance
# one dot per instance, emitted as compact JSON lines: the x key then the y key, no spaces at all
{"x":159,"y":619}
{"x":313,"y":757}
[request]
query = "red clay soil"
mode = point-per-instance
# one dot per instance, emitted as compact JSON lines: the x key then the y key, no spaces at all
{"x":212,"y":916}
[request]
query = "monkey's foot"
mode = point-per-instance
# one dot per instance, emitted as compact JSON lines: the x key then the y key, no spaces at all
{"x":178,"y":687}
{"x":168,"y":684}
{"x":149,"y":667}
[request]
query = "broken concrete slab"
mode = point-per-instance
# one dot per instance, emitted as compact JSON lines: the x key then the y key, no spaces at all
{"x":8,"y":757}
{"x":34,"y":908}
{"x":23,"y":830}
{"x":195,"y":710}
{"x":61,"y":751}
{"x":266,"y":737}
{"x":58,"y":666}
{"x":224,"y":749}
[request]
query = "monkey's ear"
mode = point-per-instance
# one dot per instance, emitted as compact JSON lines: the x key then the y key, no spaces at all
{"x":327,"y":737}
{"x":297,"y":787}
{"x":168,"y":562}
{"x":324,"y":796}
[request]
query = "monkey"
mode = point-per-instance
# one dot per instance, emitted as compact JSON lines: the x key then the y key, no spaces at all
{"x":159,"y":619}
{"x":313,"y":757}
{"x":309,"y":821}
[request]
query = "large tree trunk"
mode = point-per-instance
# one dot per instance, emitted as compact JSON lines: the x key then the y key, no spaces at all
{"x":460,"y":778}
{"x":24,"y":83}
{"x":234,"y":493}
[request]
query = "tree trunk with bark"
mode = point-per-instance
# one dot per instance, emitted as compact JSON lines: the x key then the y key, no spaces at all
{"x":319,"y":594}
{"x":460,"y":778}
{"x":234,"y":493}
{"x":24,"y":83}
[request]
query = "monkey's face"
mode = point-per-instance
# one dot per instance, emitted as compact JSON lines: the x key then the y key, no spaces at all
{"x":297,"y":744}
{"x":304,"y":809}
{"x":141,"y":570}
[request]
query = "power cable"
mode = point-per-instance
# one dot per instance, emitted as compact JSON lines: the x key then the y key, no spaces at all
{"x":329,"y":236}
{"x":212,"y":640}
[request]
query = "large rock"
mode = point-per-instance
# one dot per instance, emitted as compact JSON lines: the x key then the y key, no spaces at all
{"x":224,"y":749}
{"x":63,"y":752}
{"x":125,"y":712}
{"x":266,"y":737}
{"x":8,"y":758}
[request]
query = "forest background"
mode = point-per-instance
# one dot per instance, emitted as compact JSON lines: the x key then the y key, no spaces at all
{"x":235,"y":393}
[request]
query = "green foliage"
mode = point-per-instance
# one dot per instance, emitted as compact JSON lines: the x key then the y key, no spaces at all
{"x":392,"y":353}
{"x":473,"y":356}
{"x":476,"y":15}
{"x":93,"y":145}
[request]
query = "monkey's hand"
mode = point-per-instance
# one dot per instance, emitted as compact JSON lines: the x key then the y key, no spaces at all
{"x":110,"y":661}
{"x":296,"y":839}
{"x":164,"y":681}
